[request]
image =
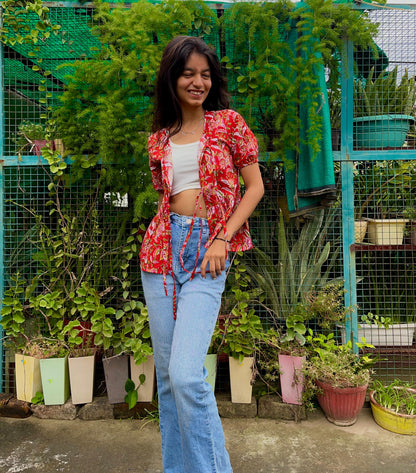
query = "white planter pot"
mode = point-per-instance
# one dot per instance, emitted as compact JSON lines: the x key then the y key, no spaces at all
{"x":241,"y":374}
{"x":146,"y":391}
{"x":386,"y":231}
{"x":398,"y":335}
{"x":81,"y":378}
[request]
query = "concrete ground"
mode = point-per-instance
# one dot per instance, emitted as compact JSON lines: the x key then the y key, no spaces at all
{"x":255,"y":446}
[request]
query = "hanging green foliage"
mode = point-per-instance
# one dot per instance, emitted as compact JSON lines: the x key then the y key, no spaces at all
{"x":106,"y":109}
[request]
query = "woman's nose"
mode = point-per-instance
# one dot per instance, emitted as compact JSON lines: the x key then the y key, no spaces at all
{"x":198,"y":80}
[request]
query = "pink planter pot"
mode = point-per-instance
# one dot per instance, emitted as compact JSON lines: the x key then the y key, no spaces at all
{"x":39,"y":144}
{"x":291,"y":378}
{"x":341,"y":405}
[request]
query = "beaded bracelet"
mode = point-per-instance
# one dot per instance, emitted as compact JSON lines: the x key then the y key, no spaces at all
{"x":222,"y":239}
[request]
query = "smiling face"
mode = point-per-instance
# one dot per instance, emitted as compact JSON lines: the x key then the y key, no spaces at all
{"x":194,"y":84}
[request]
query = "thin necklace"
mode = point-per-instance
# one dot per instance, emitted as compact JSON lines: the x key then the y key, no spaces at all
{"x":192,"y":132}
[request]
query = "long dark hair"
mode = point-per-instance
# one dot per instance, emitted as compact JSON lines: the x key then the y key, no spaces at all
{"x":167,"y":109}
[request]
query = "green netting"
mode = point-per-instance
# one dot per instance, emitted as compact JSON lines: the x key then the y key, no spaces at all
{"x":73,"y":42}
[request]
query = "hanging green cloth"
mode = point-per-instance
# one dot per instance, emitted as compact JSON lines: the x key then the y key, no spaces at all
{"x":309,"y":176}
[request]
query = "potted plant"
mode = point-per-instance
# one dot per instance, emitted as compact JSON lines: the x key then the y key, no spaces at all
{"x":27,"y":372}
{"x":385,"y":331}
{"x":292,"y":355}
{"x":136,"y":342}
{"x":375,"y":184}
{"x":54,"y":371}
{"x":383,"y":109}
{"x":324,"y":309}
{"x":394,"y":406}
{"x":34,"y":135}
{"x":286,"y":276}
{"x":29,"y":321}
{"x":82,"y":356}
{"x":240,"y":336}
{"x":340,"y":378}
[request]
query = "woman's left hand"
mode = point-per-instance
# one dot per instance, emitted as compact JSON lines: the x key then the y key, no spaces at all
{"x":214,"y":258}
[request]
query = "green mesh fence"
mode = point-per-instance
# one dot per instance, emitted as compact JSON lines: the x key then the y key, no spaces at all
{"x":385,"y":272}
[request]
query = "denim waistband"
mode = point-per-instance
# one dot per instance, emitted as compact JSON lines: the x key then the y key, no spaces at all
{"x":185,"y":221}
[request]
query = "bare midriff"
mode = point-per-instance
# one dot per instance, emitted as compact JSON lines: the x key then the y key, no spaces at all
{"x":184,"y":203}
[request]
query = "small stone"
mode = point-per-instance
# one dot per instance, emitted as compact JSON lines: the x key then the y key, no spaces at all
{"x":67,"y":411}
{"x":226,"y":408}
{"x":272,"y":407}
{"x":98,"y":409}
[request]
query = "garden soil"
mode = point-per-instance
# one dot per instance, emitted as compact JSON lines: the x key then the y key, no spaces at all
{"x":255,"y":446}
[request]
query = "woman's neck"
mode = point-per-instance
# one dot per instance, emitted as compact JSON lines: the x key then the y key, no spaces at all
{"x":192,"y":116}
{"x":192,"y":127}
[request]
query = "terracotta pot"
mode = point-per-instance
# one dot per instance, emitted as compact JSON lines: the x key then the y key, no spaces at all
{"x":341,"y":406}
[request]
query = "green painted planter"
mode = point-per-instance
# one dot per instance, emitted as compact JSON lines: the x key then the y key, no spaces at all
{"x":55,"y":380}
{"x":211,"y":367}
{"x":381,"y":131}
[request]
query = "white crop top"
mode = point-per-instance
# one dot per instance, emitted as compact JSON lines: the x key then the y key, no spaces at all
{"x":185,"y":167}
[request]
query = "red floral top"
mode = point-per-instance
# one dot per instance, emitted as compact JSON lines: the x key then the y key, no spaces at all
{"x":226,"y":145}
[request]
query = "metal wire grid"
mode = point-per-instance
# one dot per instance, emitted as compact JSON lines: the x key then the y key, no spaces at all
{"x":374,"y":99}
{"x":28,"y":180}
{"x":23,"y":100}
{"x":385,"y":262}
{"x":105,"y":223}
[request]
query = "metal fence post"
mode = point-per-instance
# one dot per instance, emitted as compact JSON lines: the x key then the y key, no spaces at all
{"x":347,"y":177}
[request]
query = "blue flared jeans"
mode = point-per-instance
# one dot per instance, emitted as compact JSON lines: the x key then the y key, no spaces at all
{"x":191,"y":430}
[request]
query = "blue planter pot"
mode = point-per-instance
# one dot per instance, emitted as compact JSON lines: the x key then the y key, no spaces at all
{"x":381,"y":131}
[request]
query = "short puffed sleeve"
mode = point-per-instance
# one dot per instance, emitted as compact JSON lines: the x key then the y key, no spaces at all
{"x":244,"y":147}
{"x":155,"y":163}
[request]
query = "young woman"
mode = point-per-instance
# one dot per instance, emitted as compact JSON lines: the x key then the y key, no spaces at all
{"x":197,"y":152}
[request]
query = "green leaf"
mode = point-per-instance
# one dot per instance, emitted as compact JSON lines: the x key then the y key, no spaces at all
{"x":131,"y":399}
{"x":129,"y":386}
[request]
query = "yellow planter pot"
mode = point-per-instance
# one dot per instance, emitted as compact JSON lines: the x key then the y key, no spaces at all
{"x":241,"y":374}
{"x":386,"y":231}
{"x":28,"y":380}
{"x":393,"y":421}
